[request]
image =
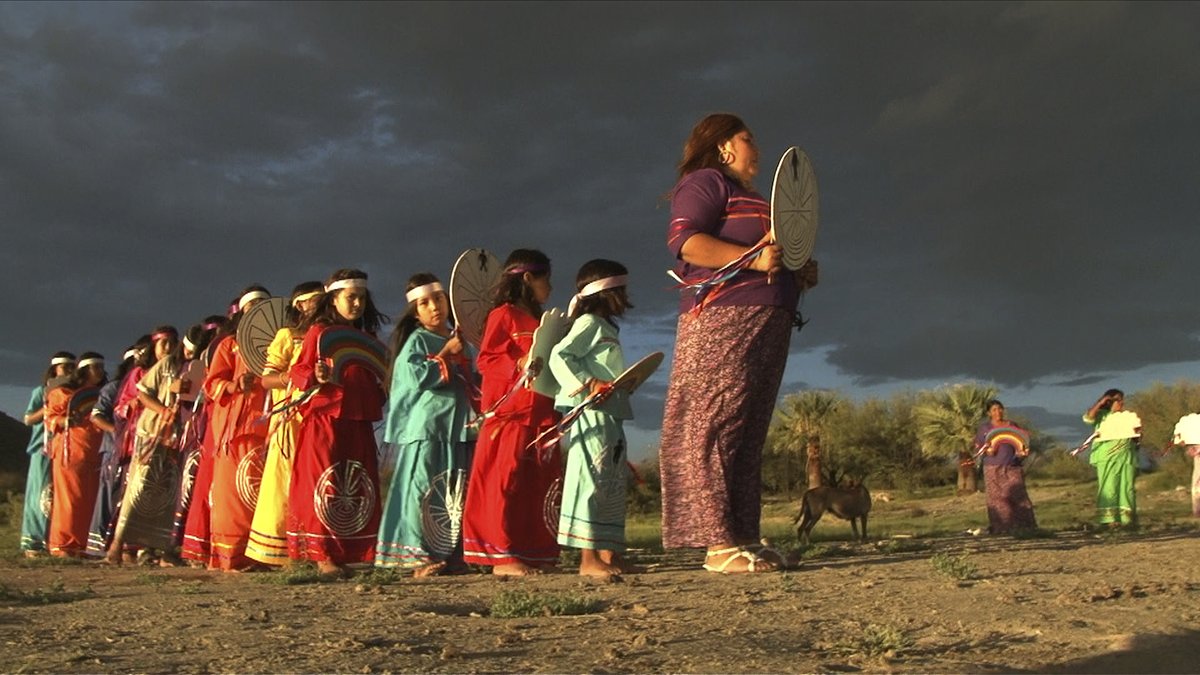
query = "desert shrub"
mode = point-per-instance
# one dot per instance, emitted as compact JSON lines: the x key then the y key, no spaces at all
{"x":1173,"y":470}
{"x":955,"y":566}
{"x":645,"y":490}
{"x":1059,"y":465}
{"x":525,"y":604}
{"x":875,"y":640}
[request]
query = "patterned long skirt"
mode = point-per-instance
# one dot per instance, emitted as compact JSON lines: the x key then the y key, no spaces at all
{"x":727,"y":369}
{"x":333,"y":505}
{"x":191,"y":447}
{"x":113,"y":470}
{"x":268,"y":530}
{"x":39,"y":491}
{"x":514,"y":498}
{"x":197,"y":531}
{"x":148,"y":506}
{"x":237,"y":475}
{"x":422,"y":519}
{"x":1194,"y":453}
{"x":1008,"y":504}
{"x":595,"y":483}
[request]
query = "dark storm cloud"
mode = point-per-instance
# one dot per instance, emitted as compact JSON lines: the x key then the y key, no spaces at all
{"x":1007,"y":190}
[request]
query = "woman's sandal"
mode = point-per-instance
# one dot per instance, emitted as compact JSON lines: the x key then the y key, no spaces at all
{"x":774,"y":556}
{"x":735,"y":553}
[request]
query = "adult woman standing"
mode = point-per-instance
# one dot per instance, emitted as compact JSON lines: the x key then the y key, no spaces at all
{"x":1116,"y":465}
{"x":731,"y":348}
{"x":1008,"y":505}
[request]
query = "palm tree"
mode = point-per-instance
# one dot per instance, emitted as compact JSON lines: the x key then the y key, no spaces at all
{"x":947,"y":420}
{"x":804,"y":417}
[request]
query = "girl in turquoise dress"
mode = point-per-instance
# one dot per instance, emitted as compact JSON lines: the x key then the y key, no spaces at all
{"x":426,"y":425}
{"x":597,"y":474}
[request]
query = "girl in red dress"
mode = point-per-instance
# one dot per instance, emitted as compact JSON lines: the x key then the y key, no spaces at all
{"x":510,"y":519}
{"x":333,"y":503}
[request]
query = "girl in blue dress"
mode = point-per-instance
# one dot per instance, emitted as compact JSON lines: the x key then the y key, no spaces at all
{"x":426,"y":424}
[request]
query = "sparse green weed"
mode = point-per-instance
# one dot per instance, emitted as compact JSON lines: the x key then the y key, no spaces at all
{"x":293,"y":576}
{"x":525,"y":604}
{"x":957,"y":567}
{"x":53,"y":594}
{"x":875,"y":640}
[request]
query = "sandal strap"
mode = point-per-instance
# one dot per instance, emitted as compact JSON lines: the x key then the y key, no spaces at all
{"x":750,"y":566}
{"x":723,"y":551}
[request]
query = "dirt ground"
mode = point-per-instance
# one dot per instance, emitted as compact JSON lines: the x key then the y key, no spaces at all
{"x":1077,"y":602}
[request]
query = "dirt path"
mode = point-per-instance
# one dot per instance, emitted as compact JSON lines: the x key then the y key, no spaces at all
{"x":1073,"y":603}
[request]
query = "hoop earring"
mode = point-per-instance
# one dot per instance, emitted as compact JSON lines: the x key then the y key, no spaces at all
{"x":725,"y":157}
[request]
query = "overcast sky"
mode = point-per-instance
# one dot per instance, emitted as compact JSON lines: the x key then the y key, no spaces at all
{"x":1008,"y":191}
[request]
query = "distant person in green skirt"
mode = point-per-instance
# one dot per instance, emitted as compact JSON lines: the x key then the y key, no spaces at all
{"x":1115,"y":461}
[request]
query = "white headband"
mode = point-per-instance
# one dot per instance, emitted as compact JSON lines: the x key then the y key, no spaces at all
{"x":346,"y":283}
{"x":87,"y":362}
{"x":251,"y":297}
{"x":187,"y":344}
{"x":594,"y":288}
{"x":60,"y":360}
{"x":304,"y":296}
{"x":423,"y":291}
{"x":131,"y":353}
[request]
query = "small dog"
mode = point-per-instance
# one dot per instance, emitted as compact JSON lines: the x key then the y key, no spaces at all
{"x":848,"y":503}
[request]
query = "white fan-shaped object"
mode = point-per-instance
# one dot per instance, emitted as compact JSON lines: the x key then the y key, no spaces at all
{"x":794,"y":208}
{"x":550,"y":331}
{"x":257,"y":329}
{"x":1187,"y":430}
{"x":1118,"y":425}
{"x":471,"y":281}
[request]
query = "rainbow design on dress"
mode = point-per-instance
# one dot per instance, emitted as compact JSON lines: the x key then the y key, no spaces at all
{"x":343,"y":346}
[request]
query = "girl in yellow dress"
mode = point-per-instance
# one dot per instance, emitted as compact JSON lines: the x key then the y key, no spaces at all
{"x":268,"y":532}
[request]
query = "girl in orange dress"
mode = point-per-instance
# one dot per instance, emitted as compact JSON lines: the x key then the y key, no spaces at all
{"x":74,"y":456}
{"x":237,"y":438}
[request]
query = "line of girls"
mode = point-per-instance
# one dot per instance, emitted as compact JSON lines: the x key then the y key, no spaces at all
{"x":188,"y":456}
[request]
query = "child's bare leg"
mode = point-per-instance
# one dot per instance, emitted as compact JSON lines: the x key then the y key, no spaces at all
{"x":329,"y":568}
{"x":592,"y":564}
{"x":618,"y":561}
{"x":113,"y":556}
{"x":515,"y":569}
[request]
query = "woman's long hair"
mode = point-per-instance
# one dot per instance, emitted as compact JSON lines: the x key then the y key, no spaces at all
{"x":703,"y":147}
{"x":511,"y":288}
{"x":79,"y":376}
{"x":609,"y":303}
{"x":174,"y":355}
{"x":50,"y":370}
{"x":231,"y":325}
{"x":326,"y":313}
{"x":293,"y":315}
{"x":406,"y":323}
